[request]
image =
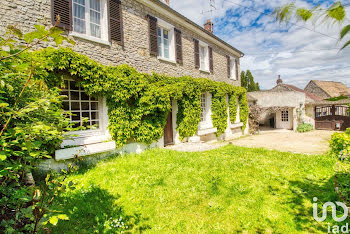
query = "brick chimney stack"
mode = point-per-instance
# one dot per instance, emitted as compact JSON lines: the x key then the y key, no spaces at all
{"x":279,"y":80}
{"x":209,"y":26}
{"x":166,"y":2}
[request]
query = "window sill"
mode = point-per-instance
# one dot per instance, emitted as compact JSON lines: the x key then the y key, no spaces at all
{"x":69,"y":153}
{"x":166,"y":60}
{"x":204,"y":70}
{"x":85,"y":138}
{"x":236,"y":125}
{"x":234,"y":79}
{"x":89,"y":38}
{"x":206,"y":131}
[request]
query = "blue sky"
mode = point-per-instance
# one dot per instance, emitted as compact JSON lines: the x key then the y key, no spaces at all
{"x":295,"y":52}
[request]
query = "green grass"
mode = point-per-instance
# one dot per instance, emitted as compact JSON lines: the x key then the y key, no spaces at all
{"x":231,"y":189}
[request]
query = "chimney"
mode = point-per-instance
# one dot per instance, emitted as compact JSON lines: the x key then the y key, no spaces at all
{"x":279,"y":80}
{"x":166,"y":2}
{"x":209,"y":26}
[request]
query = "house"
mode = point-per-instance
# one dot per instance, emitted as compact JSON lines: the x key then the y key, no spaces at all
{"x":327,"y":89}
{"x":286,"y":106}
{"x":145,"y":34}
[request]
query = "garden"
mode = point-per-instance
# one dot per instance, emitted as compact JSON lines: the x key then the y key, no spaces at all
{"x":231,"y":189}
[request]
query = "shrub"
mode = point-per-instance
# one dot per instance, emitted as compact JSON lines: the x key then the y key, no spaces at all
{"x":305,"y":127}
{"x":340,"y":144}
{"x":32,"y":124}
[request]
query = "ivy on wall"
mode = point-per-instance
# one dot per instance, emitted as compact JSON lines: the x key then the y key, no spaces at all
{"x":139,"y":103}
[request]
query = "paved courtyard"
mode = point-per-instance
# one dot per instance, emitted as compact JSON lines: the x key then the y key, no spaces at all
{"x":314,"y":142}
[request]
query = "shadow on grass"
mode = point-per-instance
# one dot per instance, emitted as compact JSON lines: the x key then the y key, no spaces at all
{"x":94,"y":210}
{"x":304,"y":191}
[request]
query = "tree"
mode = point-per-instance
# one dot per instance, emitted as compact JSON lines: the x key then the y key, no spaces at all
{"x":334,"y":14}
{"x":247,"y":81}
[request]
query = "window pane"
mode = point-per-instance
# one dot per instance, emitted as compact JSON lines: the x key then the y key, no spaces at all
{"x":94,"y":106}
{"x":160,"y":50}
{"x":65,"y":93}
{"x":86,"y":115}
{"x":74,"y":95}
{"x":95,"y":30}
{"x":202,"y":57}
{"x":95,"y":5}
{"x":85,"y":105}
{"x":79,"y":16}
{"x":73,"y":85}
{"x":84,"y":96}
{"x":75,"y":115}
{"x":94,"y":115}
{"x":75,"y":106}
{"x":166,"y":43}
{"x":66,"y":106}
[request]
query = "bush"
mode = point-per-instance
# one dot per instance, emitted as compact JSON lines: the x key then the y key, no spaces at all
{"x":340,"y":144}
{"x":305,"y":127}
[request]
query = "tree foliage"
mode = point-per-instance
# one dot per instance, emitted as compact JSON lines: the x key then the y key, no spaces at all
{"x":336,"y":13}
{"x":247,"y":81}
{"x":32,"y":125}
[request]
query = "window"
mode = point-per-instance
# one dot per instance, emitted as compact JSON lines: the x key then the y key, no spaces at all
{"x":84,"y":109}
{"x":285,"y":116}
{"x":342,"y":110}
{"x":166,"y":41}
{"x":163,"y":43}
{"x":233,"y":69}
{"x":90,"y":18}
{"x":203,"y":57}
{"x":203,"y":107}
{"x":323,"y":111}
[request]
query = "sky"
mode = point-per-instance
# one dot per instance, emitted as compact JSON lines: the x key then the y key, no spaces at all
{"x":299,"y":52}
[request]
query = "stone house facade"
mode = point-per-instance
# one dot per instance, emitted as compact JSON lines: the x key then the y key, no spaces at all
{"x":327,"y":89}
{"x":145,"y":34}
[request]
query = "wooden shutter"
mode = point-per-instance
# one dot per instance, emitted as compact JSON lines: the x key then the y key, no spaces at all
{"x":116,"y":21}
{"x":178,"y":46}
{"x":196,"y":53}
{"x":63,"y":8}
{"x":211,"y":61}
{"x":153,"y":35}
{"x":236,"y":66}
{"x":228,"y":66}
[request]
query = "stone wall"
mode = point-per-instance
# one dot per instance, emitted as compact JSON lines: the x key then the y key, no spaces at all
{"x":314,"y":89}
{"x":26,"y":13}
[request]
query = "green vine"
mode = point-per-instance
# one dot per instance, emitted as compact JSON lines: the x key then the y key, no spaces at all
{"x":139,"y":103}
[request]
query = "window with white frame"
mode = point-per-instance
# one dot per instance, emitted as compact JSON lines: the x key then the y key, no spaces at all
{"x":203,"y":57}
{"x":166,"y":41}
{"x":163,"y":43}
{"x":90,"y":18}
{"x":285,"y":116}
{"x":84,"y":109}
{"x":233,"y":68}
{"x":203,"y":107}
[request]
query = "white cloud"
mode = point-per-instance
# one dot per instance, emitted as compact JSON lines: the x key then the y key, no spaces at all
{"x":296,"y":53}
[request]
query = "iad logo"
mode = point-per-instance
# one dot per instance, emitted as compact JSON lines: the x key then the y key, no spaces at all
{"x":334,"y":211}
{"x":335,"y":228}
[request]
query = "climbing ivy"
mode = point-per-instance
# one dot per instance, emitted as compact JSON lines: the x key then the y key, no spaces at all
{"x":138,"y":103}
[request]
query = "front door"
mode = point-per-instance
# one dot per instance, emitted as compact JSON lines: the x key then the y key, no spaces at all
{"x":168,"y":130}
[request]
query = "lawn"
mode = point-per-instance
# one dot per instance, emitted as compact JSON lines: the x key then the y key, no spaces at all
{"x":231,"y":189}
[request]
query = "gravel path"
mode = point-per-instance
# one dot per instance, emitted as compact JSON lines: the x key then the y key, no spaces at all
{"x":314,"y":142}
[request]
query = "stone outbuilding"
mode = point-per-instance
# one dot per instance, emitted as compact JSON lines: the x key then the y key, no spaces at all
{"x":286,"y":106}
